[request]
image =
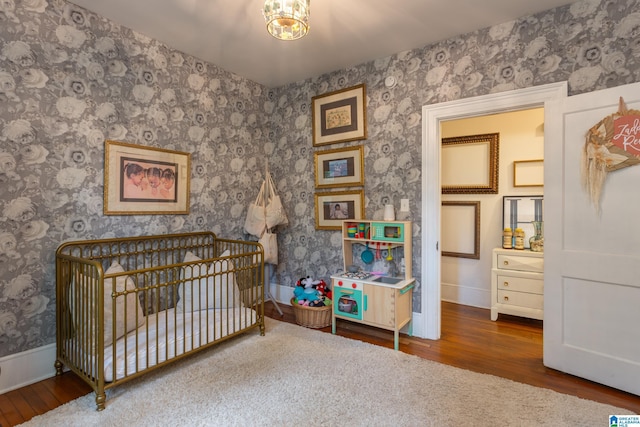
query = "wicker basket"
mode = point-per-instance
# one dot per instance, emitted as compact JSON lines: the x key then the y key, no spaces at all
{"x":311,"y":317}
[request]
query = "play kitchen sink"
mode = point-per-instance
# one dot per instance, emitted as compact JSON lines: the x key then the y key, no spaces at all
{"x":388,"y":280}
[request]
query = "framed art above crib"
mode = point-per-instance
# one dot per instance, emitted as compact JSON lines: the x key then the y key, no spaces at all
{"x":141,"y":180}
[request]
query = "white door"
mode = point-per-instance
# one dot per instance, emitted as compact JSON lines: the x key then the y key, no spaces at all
{"x":592,"y":260}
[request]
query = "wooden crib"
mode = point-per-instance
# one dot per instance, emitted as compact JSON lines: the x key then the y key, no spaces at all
{"x":126,"y":306}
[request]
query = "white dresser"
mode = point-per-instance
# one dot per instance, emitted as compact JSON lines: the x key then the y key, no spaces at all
{"x":517,"y":283}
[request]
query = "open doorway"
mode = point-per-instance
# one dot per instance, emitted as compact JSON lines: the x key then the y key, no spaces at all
{"x":428,"y":325}
{"x":520,"y":138}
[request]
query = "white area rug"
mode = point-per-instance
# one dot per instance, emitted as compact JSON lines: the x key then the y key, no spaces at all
{"x":295,"y":376}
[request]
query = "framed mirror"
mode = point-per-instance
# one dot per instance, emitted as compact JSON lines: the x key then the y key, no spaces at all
{"x":520,"y":212}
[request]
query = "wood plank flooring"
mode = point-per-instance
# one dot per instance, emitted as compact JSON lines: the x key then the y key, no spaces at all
{"x":509,"y":348}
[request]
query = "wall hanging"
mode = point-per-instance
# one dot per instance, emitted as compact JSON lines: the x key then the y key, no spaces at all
{"x":612,"y":144}
{"x":343,"y":167}
{"x":339,"y":116}
{"x":145,"y":180}
{"x":470,"y":164}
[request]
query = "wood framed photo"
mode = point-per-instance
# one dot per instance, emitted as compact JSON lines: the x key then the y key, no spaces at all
{"x":528,"y":173}
{"x":339,"y":116}
{"x":145,"y":180}
{"x":333,"y":208}
{"x":342,"y":167}
{"x":470,"y":164}
{"x":460,"y":225}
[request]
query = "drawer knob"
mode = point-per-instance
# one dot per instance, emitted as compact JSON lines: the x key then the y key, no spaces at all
{"x":506,"y":284}
{"x":506,"y":262}
{"x":505,"y":298}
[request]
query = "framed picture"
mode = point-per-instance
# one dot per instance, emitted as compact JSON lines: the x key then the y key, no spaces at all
{"x":333,"y":208}
{"x":145,"y":180}
{"x":342,"y":167}
{"x":460,"y":229}
{"x":469,"y":164}
{"x":520,"y":212}
{"x":528,"y":173}
{"x":339,"y":116}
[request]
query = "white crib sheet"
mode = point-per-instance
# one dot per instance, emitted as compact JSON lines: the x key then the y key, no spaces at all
{"x":168,"y":334}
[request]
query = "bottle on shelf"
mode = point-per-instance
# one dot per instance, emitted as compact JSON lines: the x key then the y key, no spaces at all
{"x":507,"y":238}
{"x":519,"y":239}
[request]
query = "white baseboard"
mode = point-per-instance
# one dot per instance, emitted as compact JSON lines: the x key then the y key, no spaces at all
{"x":22,"y":369}
{"x":465,"y":295}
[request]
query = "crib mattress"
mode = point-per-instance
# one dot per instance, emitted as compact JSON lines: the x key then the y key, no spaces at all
{"x":168,"y":334}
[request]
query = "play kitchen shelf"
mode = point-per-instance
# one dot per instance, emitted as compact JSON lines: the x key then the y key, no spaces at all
{"x":377,"y":236}
{"x":374,"y":298}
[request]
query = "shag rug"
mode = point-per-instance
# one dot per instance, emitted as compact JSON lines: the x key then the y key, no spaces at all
{"x":296,"y":376}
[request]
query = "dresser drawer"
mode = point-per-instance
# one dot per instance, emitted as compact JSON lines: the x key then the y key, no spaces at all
{"x":520,"y":263}
{"x":520,"y":284}
{"x":521,"y":299}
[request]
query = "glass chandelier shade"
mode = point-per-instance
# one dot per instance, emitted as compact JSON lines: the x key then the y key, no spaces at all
{"x":287,"y":19}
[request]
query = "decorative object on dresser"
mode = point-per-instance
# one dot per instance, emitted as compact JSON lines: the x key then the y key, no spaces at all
{"x":521,"y":212}
{"x":517,"y":283}
{"x":377,"y":298}
{"x":130,"y":305}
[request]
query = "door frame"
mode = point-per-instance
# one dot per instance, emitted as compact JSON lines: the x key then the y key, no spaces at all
{"x":432,"y":115}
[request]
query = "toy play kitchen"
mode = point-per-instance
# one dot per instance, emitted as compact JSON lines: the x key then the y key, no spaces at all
{"x":380,"y":297}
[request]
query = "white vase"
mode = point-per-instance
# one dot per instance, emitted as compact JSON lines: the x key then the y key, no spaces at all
{"x":389,"y":213}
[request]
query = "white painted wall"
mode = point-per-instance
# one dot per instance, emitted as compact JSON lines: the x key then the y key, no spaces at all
{"x":467,"y":281}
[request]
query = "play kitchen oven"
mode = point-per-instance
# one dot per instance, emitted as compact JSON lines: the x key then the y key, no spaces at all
{"x":348,"y":298}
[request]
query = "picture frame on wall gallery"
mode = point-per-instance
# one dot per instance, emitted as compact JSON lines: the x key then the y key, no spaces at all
{"x":339,"y":116}
{"x":470,"y":164}
{"x":141,"y":180}
{"x":342,"y":167}
{"x":460,"y":229}
{"x":334,"y":207}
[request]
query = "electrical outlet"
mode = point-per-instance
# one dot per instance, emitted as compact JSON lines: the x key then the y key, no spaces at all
{"x":404,"y":205}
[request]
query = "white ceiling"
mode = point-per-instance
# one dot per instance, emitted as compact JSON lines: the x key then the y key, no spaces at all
{"x":232,"y":33}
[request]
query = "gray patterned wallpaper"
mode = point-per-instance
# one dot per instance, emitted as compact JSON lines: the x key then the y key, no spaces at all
{"x":70,"y":79}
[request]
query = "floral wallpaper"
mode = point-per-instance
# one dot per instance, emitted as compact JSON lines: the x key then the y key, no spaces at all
{"x":70,"y":79}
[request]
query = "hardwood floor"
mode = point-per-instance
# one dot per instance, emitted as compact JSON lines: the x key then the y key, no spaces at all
{"x":509,"y":348}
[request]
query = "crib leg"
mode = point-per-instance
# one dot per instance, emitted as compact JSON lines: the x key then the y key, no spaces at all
{"x":58,"y":365}
{"x":101,"y":398}
{"x":262,"y":328}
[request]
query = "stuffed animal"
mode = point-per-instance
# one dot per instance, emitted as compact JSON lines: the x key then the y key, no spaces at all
{"x":307,"y":293}
{"x":306,"y":296}
{"x":324,"y":289}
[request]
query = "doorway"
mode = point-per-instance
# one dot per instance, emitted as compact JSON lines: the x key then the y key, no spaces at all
{"x":432,"y":116}
{"x":519,"y":137}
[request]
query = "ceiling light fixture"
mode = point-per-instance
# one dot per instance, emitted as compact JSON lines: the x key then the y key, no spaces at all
{"x":287,"y":19}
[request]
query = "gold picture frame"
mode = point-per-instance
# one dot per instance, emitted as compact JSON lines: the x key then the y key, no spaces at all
{"x":339,"y":116}
{"x":460,"y":229}
{"x":470,"y":164}
{"x":528,"y":173}
{"x":334,"y":207}
{"x":141,"y":180}
{"x":342,"y":167}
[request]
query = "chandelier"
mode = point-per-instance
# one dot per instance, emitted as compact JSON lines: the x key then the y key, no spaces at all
{"x":287,"y":19}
